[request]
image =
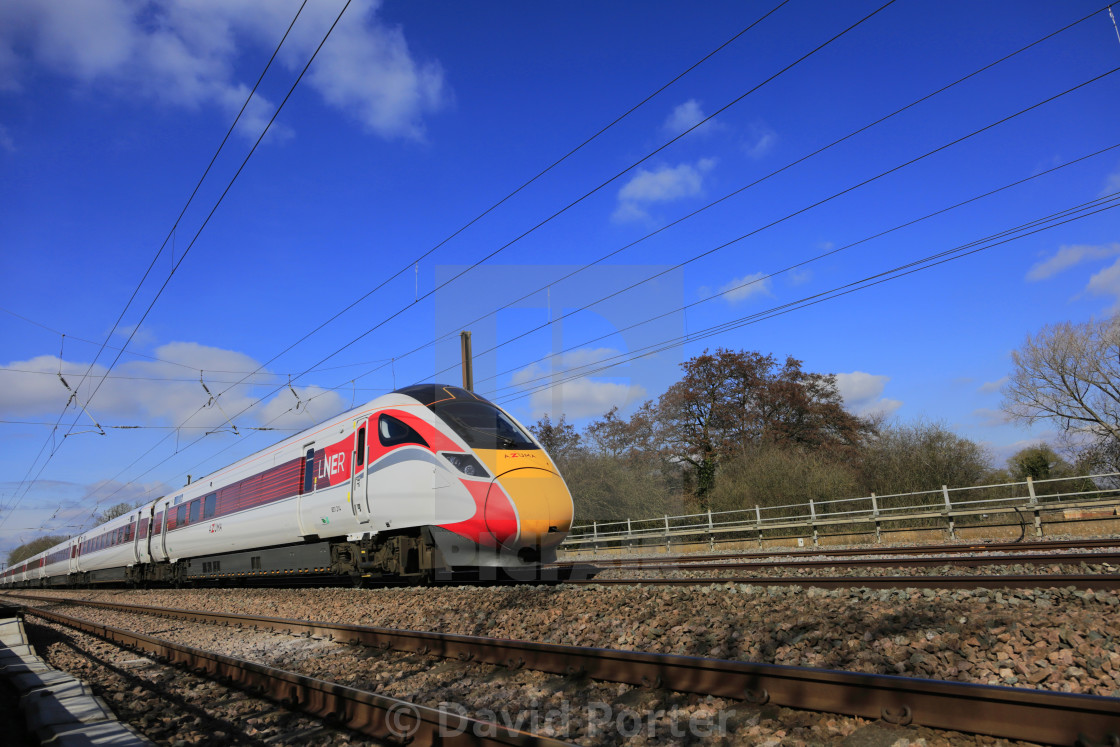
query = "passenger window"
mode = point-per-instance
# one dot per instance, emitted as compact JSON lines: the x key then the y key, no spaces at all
{"x":361,"y":446}
{"x":211,"y":506}
{"x":309,"y":471}
{"x":393,"y":432}
{"x":195,"y":509}
{"x":180,"y":516}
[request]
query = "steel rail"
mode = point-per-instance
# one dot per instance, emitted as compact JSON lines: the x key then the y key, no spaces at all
{"x":366,"y":712}
{"x":1041,"y":581}
{"x":1005,"y":712}
{"x":857,"y":551}
{"x":898,"y":562}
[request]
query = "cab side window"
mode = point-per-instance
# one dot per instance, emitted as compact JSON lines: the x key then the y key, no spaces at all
{"x":393,"y":432}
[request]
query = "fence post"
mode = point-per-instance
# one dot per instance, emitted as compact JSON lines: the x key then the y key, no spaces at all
{"x":875,"y":515}
{"x":758,"y":523}
{"x":668,"y":541}
{"x":948,"y":508}
{"x":1030,"y":489}
{"x":813,"y":520}
{"x":711,"y":537}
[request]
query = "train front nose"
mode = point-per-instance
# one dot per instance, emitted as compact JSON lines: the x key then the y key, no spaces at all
{"x":543,"y":509}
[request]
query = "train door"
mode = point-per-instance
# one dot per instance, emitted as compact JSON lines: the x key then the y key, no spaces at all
{"x":308,"y":485}
{"x":75,"y":550}
{"x":359,"y":484}
{"x":136,"y":537}
{"x":151,"y":530}
{"x":163,"y":529}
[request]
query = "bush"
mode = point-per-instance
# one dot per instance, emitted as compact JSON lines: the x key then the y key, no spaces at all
{"x":923,"y":456}
{"x":767,"y":475}
{"x":609,"y":488}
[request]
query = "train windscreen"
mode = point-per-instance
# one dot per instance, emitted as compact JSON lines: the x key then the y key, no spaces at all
{"x":477,"y":421}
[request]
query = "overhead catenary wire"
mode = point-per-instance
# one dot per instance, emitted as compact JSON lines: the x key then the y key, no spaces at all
{"x":1079,"y":212}
{"x":414,"y":263}
{"x":602,"y":185}
{"x":147,"y":272}
{"x":182,"y":256}
{"x":794,"y":214}
{"x":803,"y":210}
{"x":798,"y":265}
{"x":533,"y":179}
{"x":744,"y":188}
{"x":579,"y":200}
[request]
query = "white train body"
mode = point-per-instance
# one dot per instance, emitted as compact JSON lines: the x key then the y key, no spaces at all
{"x":423,"y":480}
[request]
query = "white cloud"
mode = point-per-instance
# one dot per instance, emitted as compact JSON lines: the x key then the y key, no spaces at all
{"x":147,"y":392}
{"x":688,"y":115}
{"x":184,"y":53}
{"x":1107,"y":283}
{"x":748,"y":286}
{"x":1002,"y":452}
{"x":991,"y":418}
{"x":1069,"y":256}
{"x":581,"y":397}
{"x":585,"y":397}
{"x":862,"y":393}
{"x":989,"y":387}
{"x":664,"y":184}
{"x":566,"y":364}
{"x":1112,"y":184}
{"x":314,"y":405}
{"x":760,"y":140}
{"x":800,"y":277}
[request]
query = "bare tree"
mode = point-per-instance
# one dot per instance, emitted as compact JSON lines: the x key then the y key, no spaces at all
{"x":113,"y":512}
{"x":729,"y":399}
{"x":1070,"y":374}
{"x":34,"y":547}
{"x":560,"y":439}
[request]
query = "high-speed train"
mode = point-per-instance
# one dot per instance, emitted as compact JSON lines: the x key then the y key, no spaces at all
{"x":414,"y":485}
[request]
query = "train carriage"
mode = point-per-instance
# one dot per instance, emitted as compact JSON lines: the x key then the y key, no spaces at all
{"x":424,"y":480}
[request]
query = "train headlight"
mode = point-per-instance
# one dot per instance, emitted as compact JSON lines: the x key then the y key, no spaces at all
{"x":466,"y":464}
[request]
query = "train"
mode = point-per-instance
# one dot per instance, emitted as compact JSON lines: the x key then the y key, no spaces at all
{"x":423,"y":483}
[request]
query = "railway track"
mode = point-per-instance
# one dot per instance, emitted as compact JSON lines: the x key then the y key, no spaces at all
{"x":970,"y":561}
{"x":1005,"y":712}
{"x":1013,"y":548}
{"x":1094,"y":581}
{"x":391,"y":719}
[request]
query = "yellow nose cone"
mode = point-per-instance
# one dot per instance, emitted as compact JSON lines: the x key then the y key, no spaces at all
{"x":542,"y":500}
{"x":544,"y":505}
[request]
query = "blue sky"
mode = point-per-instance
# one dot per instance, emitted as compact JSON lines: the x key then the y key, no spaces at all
{"x":416,"y":118}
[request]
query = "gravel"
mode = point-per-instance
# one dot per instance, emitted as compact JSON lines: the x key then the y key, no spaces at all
{"x":172,"y":707}
{"x":1055,"y":639}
